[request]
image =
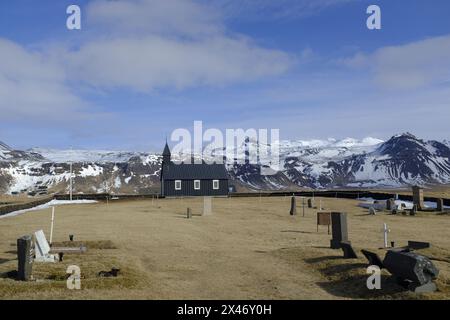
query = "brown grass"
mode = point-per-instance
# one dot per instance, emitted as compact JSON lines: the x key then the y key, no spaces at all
{"x":250,"y":248}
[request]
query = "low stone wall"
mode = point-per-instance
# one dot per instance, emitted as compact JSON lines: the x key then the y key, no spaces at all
{"x":22,"y":206}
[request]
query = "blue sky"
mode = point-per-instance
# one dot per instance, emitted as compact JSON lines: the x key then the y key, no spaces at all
{"x":139,"y":69}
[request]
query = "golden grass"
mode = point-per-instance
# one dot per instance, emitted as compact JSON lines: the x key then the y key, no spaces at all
{"x":249,"y":248}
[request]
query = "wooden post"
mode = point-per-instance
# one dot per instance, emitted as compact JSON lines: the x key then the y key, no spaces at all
{"x":189,"y":213}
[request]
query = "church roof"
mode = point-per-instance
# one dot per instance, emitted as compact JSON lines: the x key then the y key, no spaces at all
{"x":195,"y":171}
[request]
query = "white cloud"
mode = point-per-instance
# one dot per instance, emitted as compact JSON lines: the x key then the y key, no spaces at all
{"x":167,"y":44}
{"x":31,"y":86}
{"x":414,"y":65}
{"x":141,"y":45}
{"x":151,"y":62}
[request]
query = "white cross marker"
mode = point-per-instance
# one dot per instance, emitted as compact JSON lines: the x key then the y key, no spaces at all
{"x":385,"y":234}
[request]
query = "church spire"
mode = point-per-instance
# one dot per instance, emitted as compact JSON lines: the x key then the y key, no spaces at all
{"x":166,"y":154}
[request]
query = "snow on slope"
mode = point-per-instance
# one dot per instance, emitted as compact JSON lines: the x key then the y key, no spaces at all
{"x":47,"y":205}
{"x":404,"y":159}
{"x":99,"y":156}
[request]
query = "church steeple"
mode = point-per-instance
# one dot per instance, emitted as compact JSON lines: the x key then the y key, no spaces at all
{"x":166,"y":154}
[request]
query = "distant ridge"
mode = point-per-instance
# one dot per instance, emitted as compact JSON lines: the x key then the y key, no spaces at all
{"x":403,"y":160}
{"x":5,"y":146}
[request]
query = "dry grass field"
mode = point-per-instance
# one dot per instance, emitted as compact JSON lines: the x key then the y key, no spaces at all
{"x":249,"y":248}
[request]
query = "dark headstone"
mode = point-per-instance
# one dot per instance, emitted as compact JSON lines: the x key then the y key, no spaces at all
{"x":418,"y":245}
{"x":339,"y":229}
{"x":293,"y":210}
{"x":418,"y":197}
{"x":373,"y":258}
{"x":349,"y":253}
{"x":189,"y":213}
{"x":25,"y":258}
{"x":440,"y":205}
{"x":411,"y":268}
{"x":310,"y":203}
{"x":390,"y":204}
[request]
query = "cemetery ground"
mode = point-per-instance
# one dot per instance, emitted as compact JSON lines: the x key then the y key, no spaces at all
{"x":249,"y":248}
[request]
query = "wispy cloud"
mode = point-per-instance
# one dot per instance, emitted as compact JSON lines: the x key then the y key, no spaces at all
{"x":279,"y":9}
{"x":409,"y":66}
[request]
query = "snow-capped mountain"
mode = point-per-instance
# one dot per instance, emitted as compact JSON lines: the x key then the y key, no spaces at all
{"x":402,"y":160}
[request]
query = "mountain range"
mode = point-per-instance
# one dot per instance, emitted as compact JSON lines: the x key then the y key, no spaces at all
{"x":403,"y":160}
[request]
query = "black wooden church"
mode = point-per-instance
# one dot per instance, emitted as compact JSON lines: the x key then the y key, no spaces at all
{"x":180,"y":180}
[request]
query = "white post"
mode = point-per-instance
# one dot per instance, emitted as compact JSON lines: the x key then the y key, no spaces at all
{"x":51,"y":226}
{"x":385,"y":234}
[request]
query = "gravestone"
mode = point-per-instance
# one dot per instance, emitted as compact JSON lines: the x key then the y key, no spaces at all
{"x":41,"y":248}
{"x":323,"y":219}
{"x":310,"y":203}
{"x":418,"y":197}
{"x":189,"y":213}
{"x":373,"y":258}
{"x":207,"y":206}
{"x":413,"y":211}
{"x":390,"y":204}
{"x":414,"y":271}
{"x":293,"y":210}
{"x":339,"y":229}
{"x":349,"y":253}
{"x":439,"y":205}
{"x":417,"y":245}
{"x":25,"y":258}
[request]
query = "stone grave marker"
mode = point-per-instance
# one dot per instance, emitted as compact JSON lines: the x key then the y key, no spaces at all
{"x":42,"y":248}
{"x":418,"y":197}
{"x":339,"y":229}
{"x":207,"y":206}
{"x":412,"y":270}
{"x":293,"y":210}
{"x":417,"y":245}
{"x":439,"y":205}
{"x":25,"y":258}
{"x":390,"y":204}
{"x":310,"y":203}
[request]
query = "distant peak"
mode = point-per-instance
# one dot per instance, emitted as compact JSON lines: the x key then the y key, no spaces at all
{"x":405,"y":135}
{"x":5,"y":146}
